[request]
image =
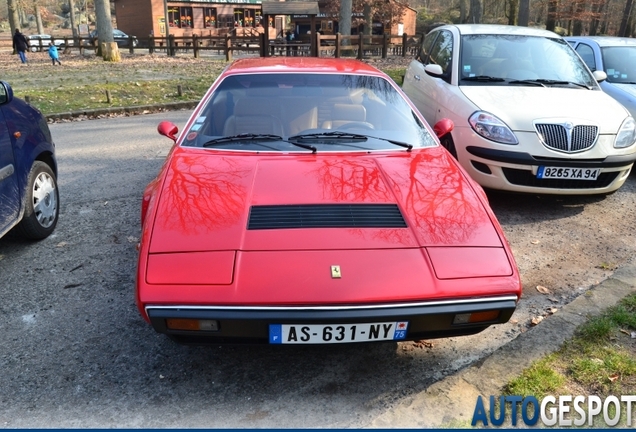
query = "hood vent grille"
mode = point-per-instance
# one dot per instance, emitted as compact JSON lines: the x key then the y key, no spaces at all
{"x":326,"y":216}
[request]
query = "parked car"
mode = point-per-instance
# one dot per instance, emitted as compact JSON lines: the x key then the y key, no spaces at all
{"x":616,"y":56}
{"x":122,"y":39}
{"x":308,"y":202}
{"x":40,"y":42}
{"x":28,"y":169}
{"x":529,"y":115}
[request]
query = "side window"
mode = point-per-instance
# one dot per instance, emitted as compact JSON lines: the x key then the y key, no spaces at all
{"x":3,"y":94}
{"x":442,"y":51}
{"x":587,"y":54}
{"x":425,"y":49}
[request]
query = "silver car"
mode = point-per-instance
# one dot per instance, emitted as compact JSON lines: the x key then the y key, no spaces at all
{"x":615,"y":56}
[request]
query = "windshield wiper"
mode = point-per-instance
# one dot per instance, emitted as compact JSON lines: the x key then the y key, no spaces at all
{"x":561,"y":82}
{"x":484,"y":78}
{"x":254,"y":137}
{"x":527,"y":81}
{"x":243,"y":137}
{"x":347,"y":137}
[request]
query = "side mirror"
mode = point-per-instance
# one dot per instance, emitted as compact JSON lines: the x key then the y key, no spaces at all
{"x":6,"y":92}
{"x":434,"y":70}
{"x":599,"y":75}
{"x":168,"y":129}
{"x":443,"y":127}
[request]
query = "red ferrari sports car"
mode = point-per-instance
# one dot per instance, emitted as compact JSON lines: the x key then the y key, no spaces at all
{"x":308,"y":202}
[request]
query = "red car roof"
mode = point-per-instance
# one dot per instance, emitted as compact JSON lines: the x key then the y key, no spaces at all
{"x":301,"y":64}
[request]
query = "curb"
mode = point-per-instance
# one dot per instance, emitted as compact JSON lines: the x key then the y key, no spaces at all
{"x":451,"y":401}
{"x":114,"y":111}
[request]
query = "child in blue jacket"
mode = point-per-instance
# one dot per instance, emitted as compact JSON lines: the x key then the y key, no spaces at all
{"x":55,"y":56}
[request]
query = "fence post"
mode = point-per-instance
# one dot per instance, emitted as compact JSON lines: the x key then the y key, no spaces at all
{"x":404,"y":42}
{"x":195,"y":45}
{"x":338,"y":41}
{"x":170,"y":48}
{"x":263,"y":42}
{"x":385,"y":46}
{"x":228,"y":47}
{"x":131,"y":46}
{"x":151,"y":44}
{"x":360,"y":46}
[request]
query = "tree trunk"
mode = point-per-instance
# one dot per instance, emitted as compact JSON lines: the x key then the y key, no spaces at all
{"x":512,"y":11}
{"x":524,"y":13}
{"x":108,"y":47}
{"x":110,"y":52}
{"x":625,"y":20}
{"x":344,"y":23}
{"x":368,"y":19}
{"x":462,"y":11}
{"x":475,"y":11}
{"x":550,"y":22}
{"x":38,"y":17}
{"x":14,"y":20}
{"x":71,"y":6}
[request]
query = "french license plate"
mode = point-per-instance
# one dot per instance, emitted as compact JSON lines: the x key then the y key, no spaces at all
{"x":336,"y":333}
{"x":568,"y":173}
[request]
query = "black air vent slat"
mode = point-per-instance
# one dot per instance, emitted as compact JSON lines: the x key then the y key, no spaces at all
{"x":326,"y":216}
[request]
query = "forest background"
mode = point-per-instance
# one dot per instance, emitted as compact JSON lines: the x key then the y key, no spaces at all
{"x":566,"y":17}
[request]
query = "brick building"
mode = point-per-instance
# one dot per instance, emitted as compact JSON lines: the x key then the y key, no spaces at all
{"x":217,"y":17}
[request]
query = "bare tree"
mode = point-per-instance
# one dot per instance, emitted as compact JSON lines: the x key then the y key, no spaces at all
{"x":344,"y":20}
{"x":625,"y":19}
{"x":107,"y":45}
{"x":523,"y":19}
{"x":475,"y":12}
{"x":38,"y":16}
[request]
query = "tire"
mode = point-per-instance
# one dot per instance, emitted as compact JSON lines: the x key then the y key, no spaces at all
{"x":41,"y":203}
{"x":448,"y":143}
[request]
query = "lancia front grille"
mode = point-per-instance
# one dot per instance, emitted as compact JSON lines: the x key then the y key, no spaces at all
{"x":566,"y":137}
{"x":326,"y":216}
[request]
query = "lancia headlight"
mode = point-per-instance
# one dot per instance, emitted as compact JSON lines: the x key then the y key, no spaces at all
{"x":626,"y":134}
{"x":490,"y":127}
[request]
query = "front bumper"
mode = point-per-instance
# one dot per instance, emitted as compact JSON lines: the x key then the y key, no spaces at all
{"x":517,"y":172}
{"x":251,"y":324}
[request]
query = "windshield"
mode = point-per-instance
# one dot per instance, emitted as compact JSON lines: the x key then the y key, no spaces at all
{"x":620,"y":64}
{"x":514,"y":58}
{"x":307,"y":113}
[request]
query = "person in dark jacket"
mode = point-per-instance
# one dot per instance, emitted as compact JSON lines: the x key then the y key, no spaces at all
{"x":20,"y":45}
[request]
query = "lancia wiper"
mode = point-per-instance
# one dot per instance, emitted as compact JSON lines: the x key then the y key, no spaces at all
{"x":484,"y":78}
{"x":561,"y":82}
{"x":527,"y":81}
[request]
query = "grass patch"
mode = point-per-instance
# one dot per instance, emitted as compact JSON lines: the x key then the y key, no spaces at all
{"x":599,"y":360}
{"x":81,"y":82}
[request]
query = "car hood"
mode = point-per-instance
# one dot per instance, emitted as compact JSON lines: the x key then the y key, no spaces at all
{"x":520,"y":106}
{"x":208,"y":198}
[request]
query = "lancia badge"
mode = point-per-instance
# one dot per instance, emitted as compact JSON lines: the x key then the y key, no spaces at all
{"x":335,"y":272}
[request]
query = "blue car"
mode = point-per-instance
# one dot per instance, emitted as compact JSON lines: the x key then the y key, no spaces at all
{"x":29,"y":197}
{"x":616,"y":56}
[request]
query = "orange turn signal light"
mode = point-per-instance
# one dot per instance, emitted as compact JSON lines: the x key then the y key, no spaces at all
{"x":476,"y":317}
{"x":192,"y":324}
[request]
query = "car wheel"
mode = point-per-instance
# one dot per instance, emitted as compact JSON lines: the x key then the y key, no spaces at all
{"x":42,"y":203}
{"x":449,"y":144}
{"x":33,"y":49}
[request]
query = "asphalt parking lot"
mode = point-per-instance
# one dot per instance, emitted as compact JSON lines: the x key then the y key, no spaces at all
{"x":76,"y":352}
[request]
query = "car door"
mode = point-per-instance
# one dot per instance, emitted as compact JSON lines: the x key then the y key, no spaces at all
{"x":425,"y":90}
{"x":9,"y":191}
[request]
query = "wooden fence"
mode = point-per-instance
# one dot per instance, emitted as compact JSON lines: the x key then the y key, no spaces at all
{"x":358,"y":46}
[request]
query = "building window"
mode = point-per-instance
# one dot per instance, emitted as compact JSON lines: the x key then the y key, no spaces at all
{"x":180,"y":17}
{"x":226,"y":20}
{"x":209,"y":17}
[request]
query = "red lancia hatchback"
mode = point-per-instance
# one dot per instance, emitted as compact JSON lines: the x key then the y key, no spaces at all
{"x":308,"y":202}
